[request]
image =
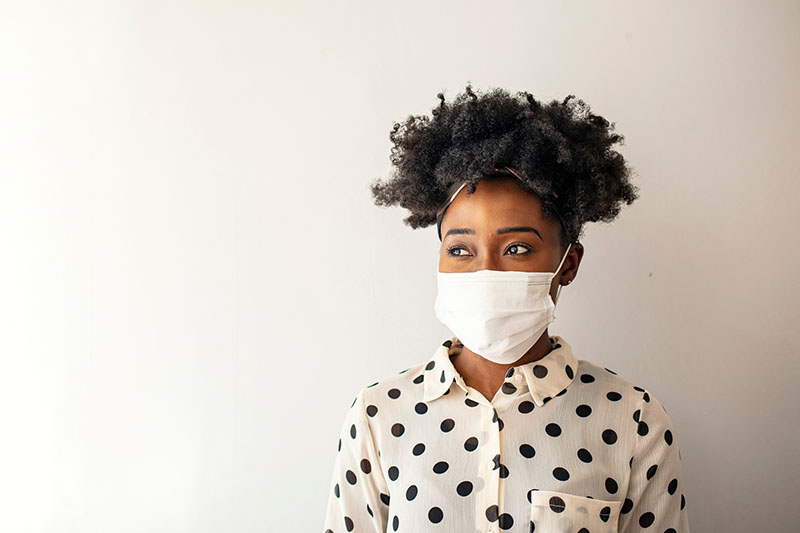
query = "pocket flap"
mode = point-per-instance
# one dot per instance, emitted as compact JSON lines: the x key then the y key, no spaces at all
{"x":556,"y":512}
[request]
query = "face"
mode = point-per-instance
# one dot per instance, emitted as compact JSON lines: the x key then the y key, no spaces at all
{"x":501,"y":227}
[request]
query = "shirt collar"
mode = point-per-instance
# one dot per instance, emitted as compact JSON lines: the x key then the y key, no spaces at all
{"x":545,"y":378}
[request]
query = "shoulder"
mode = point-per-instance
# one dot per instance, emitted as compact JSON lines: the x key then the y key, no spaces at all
{"x":403,"y":385}
{"x":645,"y":407}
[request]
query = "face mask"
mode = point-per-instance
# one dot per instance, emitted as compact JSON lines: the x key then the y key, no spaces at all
{"x":497,"y":314}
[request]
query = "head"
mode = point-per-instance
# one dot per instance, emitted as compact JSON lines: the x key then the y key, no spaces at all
{"x":567,"y":173}
{"x":502,"y":226}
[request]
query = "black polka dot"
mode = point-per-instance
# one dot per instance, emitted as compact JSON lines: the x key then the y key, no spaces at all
{"x":340,"y":446}
{"x":510,"y":372}
{"x":369,"y":510}
{"x":419,"y":379}
{"x":646,"y":397}
{"x":609,"y":436}
{"x":336,"y":490}
{"x":503,"y":471}
{"x":419,"y":449}
{"x":464,"y":488}
{"x":605,"y":513}
{"x":651,"y":471}
{"x":614,"y":396}
{"x":350,"y":476}
{"x":372,"y":410}
{"x":505,"y":521}
{"x":471,"y":444}
{"x":560,"y":473}
{"x":584,"y":455}
{"x":636,"y":414}
{"x":553,"y":429}
{"x":394,"y":473}
{"x":447,"y":424}
{"x":435,"y":515}
{"x":611,"y":485}
{"x":441,"y":467}
{"x":683,"y":502}
{"x":525,"y":407}
{"x":353,"y":431}
{"x":492,"y":513}
{"x":669,"y":530}
{"x":557,"y":505}
{"x":508,"y":388}
{"x":668,"y":437}
{"x":442,"y":378}
{"x":366,"y":467}
{"x":627,"y":505}
{"x":394,"y":393}
{"x":587,"y":378}
{"x":673,"y":486}
{"x":411,"y":492}
{"x":398,"y":429}
{"x":527,"y":451}
{"x":568,"y":370}
{"x":643,"y":429}
{"x":583,"y":410}
{"x":430,"y":365}
{"x":539,"y":371}
{"x":421,"y":408}
{"x":583,"y":530}
{"x":471,"y":403}
{"x":385,"y":498}
{"x":496,"y":461}
{"x":395,"y":522}
{"x":647,"y":519}
{"x":348,"y":523}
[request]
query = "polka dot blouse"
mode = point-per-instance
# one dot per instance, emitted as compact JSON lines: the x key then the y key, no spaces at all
{"x":565,"y":445}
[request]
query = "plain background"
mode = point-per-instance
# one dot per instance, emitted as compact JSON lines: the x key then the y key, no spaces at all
{"x":195,"y":282}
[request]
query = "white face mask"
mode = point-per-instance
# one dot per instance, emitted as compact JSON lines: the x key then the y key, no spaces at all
{"x":497,"y":314}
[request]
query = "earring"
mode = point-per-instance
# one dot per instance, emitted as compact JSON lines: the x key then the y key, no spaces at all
{"x":569,"y":281}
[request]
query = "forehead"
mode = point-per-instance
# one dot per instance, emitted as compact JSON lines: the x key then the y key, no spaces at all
{"x":496,"y":201}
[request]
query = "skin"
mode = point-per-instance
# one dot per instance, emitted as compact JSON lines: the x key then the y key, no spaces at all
{"x":499,"y":202}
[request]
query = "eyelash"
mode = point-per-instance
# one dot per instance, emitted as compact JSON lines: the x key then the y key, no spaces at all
{"x":456,"y":247}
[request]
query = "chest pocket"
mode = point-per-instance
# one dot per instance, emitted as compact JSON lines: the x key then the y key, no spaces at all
{"x":560,"y":512}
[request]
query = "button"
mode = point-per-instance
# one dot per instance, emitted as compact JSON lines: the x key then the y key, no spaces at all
{"x":517,"y":377}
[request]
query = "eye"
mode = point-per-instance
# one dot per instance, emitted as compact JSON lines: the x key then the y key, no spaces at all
{"x":452,"y":251}
{"x":517,"y":246}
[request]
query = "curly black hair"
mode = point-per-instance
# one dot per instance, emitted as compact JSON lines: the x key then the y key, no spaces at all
{"x":563,"y":152}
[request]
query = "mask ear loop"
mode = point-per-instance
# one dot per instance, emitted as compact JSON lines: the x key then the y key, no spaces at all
{"x":558,"y":291}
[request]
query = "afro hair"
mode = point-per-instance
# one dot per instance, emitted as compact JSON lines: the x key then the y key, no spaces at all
{"x":563,"y":153}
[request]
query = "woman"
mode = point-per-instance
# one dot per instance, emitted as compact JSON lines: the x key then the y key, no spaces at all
{"x":504,"y":428}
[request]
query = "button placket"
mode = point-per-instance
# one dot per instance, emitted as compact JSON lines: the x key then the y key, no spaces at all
{"x":492,"y":474}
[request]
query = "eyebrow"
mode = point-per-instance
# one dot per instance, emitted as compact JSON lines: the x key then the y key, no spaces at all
{"x":501,"y":231}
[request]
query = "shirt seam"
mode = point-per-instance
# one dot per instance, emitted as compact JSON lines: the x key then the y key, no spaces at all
{"x":638,"y":438}
{"x":371,"y":443}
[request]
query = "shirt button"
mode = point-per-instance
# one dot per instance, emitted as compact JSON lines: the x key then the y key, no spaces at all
{"x":517,"y":377}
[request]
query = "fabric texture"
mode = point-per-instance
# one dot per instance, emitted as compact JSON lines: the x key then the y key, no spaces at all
{"x":565,"y":445}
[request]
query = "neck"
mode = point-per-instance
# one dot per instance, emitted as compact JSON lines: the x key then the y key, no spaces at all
{"x":487,"y":376}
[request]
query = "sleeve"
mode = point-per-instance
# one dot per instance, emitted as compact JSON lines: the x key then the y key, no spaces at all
{"x":655,"y":499}
{"x":358,"y":500}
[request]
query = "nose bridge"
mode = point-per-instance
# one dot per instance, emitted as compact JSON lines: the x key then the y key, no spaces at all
{"x":487,"y":260}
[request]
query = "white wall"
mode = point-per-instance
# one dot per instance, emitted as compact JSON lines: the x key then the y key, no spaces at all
{"x":194,"y":282}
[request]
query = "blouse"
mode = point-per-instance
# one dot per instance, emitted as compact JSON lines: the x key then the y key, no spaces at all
{"x":565,"y":445}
